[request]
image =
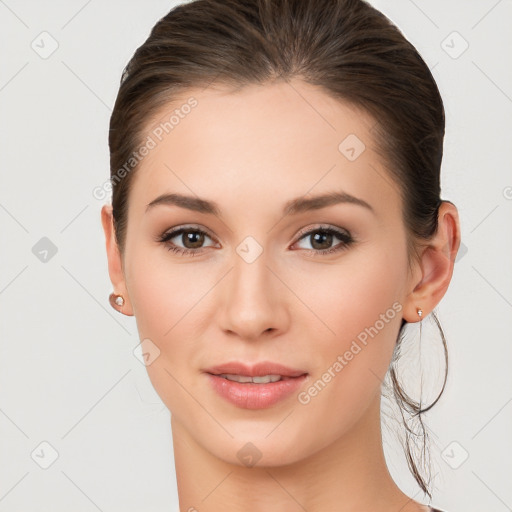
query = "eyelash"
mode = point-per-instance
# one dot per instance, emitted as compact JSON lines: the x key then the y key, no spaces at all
{"x":345,"y":237}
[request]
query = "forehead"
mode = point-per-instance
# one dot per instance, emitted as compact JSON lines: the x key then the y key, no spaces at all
{"x":262,"y":141}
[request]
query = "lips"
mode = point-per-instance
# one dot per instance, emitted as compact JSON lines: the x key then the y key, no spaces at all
{"x":256,"y":386}
{"x":255,"y":370}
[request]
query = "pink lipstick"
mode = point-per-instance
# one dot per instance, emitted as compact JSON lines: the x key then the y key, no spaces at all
{"x":256,"y":386}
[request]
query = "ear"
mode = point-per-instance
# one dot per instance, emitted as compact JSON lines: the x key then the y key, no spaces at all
{"x":435,"y":266}
{"x":115,"y":263}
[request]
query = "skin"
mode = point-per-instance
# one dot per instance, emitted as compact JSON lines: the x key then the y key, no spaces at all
{"x":251,"y":151}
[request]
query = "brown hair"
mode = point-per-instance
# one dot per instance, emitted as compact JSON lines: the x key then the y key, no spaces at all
{"x":347,"y":48}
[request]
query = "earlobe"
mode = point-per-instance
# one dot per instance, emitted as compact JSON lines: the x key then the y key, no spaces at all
{"x":436,"y":262}
{"x":115,"y":267}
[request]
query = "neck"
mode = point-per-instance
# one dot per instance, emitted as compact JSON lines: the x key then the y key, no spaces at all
{"x":348,"y":475}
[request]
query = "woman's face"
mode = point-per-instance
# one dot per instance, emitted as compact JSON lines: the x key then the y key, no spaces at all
{"x":261,"y":281}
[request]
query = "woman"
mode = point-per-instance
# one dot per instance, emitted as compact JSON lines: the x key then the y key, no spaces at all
{"x":276,"y":221}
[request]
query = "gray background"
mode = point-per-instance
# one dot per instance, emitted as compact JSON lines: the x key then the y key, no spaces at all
{"x":68,"y":374}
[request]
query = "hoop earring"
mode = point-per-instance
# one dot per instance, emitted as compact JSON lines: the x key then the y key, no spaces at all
{"x":116,"y":300}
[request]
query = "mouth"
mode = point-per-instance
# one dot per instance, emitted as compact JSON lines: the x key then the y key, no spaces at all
{"x":264,"y":369}
{"x":260,"y":379}
{"x":255,"y":387}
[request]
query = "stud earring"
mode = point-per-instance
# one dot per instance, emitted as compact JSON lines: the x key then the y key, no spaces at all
{"x":420,"y":313}
{"x":118,"y":300}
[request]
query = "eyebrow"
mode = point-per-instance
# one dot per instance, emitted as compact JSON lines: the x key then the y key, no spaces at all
{"x":292,"y":207}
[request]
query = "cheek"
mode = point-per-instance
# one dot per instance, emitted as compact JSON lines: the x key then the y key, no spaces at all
{"x":359,"y":303}
{"x":349,"y":296}
{"x":357,"y":315}
{"x":163,"y":293}
{"x":170,"y":303}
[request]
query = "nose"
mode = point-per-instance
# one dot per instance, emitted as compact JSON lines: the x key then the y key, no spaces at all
{"x":253,"y":302}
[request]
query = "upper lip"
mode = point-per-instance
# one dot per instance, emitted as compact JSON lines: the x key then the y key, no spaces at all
{"x":254,"y":370}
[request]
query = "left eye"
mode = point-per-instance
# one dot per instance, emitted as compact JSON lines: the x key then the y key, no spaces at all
{"x":322,"y":238}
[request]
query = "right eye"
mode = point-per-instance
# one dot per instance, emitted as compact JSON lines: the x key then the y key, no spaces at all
{"x":191,"y":236}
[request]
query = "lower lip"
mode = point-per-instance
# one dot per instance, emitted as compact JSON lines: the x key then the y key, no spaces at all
{"x":255,"y":396}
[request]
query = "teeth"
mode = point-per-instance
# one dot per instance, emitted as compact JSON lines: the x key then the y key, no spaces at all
{"x":264,"y":379}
